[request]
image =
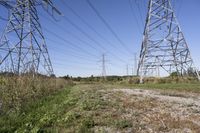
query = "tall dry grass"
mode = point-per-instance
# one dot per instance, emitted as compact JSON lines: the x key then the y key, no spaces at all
{"x":17,"y":91}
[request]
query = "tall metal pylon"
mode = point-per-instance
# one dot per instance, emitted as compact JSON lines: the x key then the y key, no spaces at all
{"x":164,"y":46}
{"x":103,"y":67}
{"x":22,"y":46}
{"x":127,"y":70}
{"x":135,"y":64}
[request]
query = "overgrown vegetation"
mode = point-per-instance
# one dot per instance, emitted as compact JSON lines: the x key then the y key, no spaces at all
{"x":34,"y":115}
{"x":15,"y":92}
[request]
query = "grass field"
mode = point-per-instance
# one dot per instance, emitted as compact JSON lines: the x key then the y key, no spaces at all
{"x":107,"y":108}
{"x":189,"y":87}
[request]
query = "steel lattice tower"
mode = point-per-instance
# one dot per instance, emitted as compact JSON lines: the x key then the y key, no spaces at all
{"x":164,"y":46}
{"x":22,"y":45}
{"x":103,"y":67}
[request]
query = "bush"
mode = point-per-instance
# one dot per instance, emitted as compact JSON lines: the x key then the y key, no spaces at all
{"x":134,"y":80}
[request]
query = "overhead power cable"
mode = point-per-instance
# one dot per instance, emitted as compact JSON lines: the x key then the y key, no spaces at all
{"x":72,"y":61}
{"x":88,"y":36}
{"x":68,"y":42}
{"x":179,"y":8}
{"x":4,"y":19}
{"x":83,"y":32}
{"x":140,"y":12}
{"x":134,"y":15}
{"x":108,"y":26}
{"x":70,"y":33}
{"x":70,"y":54}
{"x":80,"y":67}
{"x":87,"y":24}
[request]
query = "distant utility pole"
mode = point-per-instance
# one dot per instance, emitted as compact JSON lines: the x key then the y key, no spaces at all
{"x":133,"y":71}
{"x":127,"y":71}
{"x":103,"y":67}
{"x":164,"y":46}
{"x":135,"y":64}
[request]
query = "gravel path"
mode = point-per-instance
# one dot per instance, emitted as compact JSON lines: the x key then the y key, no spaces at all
{"x":170,"y":111}
{"x":186,"y":99}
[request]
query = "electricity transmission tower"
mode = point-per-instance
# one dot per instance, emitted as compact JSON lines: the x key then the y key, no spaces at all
{"x":164,"y":46}
{"x":103,"y":67}
{"x":22,"y":46}
{"x":127,"y":70}
{"x":135,"y":64}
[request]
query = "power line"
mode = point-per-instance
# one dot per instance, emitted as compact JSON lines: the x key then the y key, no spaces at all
{"x":75,"y":55}
{"x":68,"y":42}
{"x":71,"y":54}
{"x":77,"y":67}
{"x":70,"y":33}
{"x":64,"y":47}
{"x":78,"y":28}
{"x":64,"y":44}
{"x":87,"y":24}
{"x":78,"y":63}
{"x":133,"y":13}
{"x":80,"y":57}
{"x":140,"y":12}
{"x":88,"y":36}
{"x":4,"y":19}
{"x":179,"y":8}
{"x":108,"y":26}
{"x":71,"y":63}
{"x":83,"y":32}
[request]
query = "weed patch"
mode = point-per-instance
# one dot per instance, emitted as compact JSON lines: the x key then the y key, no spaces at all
{"x":123,"y":124}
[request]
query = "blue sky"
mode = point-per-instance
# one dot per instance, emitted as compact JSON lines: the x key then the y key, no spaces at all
{"x":77,"y":50}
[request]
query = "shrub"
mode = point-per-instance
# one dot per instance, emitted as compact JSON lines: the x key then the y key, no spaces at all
{"x":134,"y":80}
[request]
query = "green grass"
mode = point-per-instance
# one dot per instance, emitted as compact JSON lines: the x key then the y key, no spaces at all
{"x":189,"y":87}
{"x":80,"y":108}
{"x":37,"y":115}
{"x":75,"y":109}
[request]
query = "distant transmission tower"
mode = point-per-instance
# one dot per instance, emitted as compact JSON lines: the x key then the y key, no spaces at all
{"x":103,"y":67}
{"x":135,"y":64}
{"x":127,"y":70}
{"x":164,"y":45}
{"x":22,"y":45}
